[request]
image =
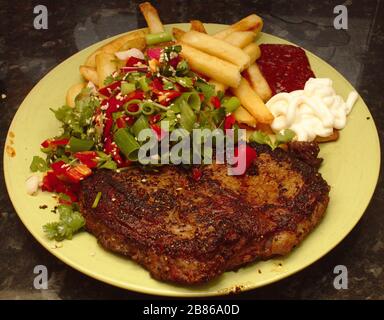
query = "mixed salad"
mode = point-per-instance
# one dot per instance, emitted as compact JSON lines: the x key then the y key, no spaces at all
{"x":101,"y":131}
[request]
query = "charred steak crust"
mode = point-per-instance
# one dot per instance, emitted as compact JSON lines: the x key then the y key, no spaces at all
{"x":189,"y":231}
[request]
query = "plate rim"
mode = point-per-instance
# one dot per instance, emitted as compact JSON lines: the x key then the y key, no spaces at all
{"x":163,"y":292}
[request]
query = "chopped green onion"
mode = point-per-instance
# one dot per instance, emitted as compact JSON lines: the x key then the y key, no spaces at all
{"x":191,"y":98}
{"x":169,"y":86}
{"x":231,"y":104}
{"x":186,"y":82}
{"x":144,"y":84}
{"x":76,"y":145}
{"x":155,"y":38}
{"x":132,"y":113}
{"x":188,"y":117}
{"x":148,"y":108}
{"x":126,"y":143}
{"x":96,"y":201}
{"x":140,"y":124}
{"x":127,"y":87}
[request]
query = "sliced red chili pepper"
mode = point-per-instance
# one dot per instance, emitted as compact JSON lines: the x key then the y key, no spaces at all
{"x":216,"y":102}
{"x":174,"y":62}
{"x":120,"y":123}
{"x":249,"y":154}
{"x":167,"y":96}
{"x":107,"y":126}
{"x":52,"y":183}
{"x":77,"y":173}
{"x":154,"y":118}
{"x":154,"y":53}
{"x":88,"y":158}
{"x":196,"y":174}
{"x":133,"y":61}
{"x":113,"y":105}
{"x":156,"y":84}
{"x":59,"y":168}
{"x":160,"y":133}
{"x":53,"y":143}
{"x":111,"y":148}
{"x":229,"y":121}
{"x":137,"y":94}
{"x":108,"y":90}
{"x":202,"y":97}
{"x":129,"y":120}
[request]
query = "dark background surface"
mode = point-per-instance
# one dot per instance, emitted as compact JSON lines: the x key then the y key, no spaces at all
{"x":26,"y":55}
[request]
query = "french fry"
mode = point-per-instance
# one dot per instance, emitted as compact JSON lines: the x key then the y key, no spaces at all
{"x":252,"y":22}
{"x":240,"y":39}
{"x":89,"y":74}
{"x":217,"y":48}
{"x":252,"y":102}
{"x":218,"y":86}
{"x":151,"y":17}
{"x":138,"y":43}
{"x":197,"y":25}
{"x":213,"y":67}
{"x":253,"y":50}
{"x":91,"y":60}
{"x":72,"y":93}
{"x":177,"y":33}
{"x":243,"y":116}
{"x":333,"y":137}
{"x":104,"y":66}
{"x":133,"y":38}
{"x":265,"y":128}
{"x":258,"y":82}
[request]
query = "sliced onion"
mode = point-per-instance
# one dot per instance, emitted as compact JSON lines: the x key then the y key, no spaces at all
{"x":92,"y":86}
{"x":32,"y":184}
{"x":124,"y":55}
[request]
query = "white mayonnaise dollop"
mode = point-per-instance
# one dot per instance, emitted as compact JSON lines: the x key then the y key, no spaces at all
{"x":311,"y":112}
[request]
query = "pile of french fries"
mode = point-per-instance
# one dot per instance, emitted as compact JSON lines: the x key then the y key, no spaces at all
{"x":227,"y":58}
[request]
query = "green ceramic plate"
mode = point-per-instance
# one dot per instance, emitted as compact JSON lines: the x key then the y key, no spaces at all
{"x":351,"y":167}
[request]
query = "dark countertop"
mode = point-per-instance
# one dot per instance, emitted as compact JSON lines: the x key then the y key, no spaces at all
{"x":28,"y":54}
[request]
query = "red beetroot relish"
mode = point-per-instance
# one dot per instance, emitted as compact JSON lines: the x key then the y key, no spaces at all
{"x":285,"y":67}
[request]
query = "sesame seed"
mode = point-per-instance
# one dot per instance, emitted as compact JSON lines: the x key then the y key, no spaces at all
{"x":3,"y":96}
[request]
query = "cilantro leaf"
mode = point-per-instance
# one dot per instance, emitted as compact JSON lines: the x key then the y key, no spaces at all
{"x":282,"y":137}
{"x":38,"y":164}
{"x":261,"y":138}
{"x":70,"y":222}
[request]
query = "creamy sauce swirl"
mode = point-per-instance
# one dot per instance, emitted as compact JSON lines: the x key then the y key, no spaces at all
{"x":314,"y":111}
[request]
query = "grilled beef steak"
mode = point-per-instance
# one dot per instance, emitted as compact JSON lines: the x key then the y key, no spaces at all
{"x":189,"y":231}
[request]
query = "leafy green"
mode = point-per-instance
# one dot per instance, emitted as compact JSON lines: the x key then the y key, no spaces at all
{"x":105,"y":161}
{"x":182,"y":68}
{"x":208,"y":90}
{"x":71,"y":221}
{"x":285,"y":137}
{"x":76,"y":121}
{"x":282,"y":137}
{"x":185,"y":82}
{"x":108,"y":80}
{"x":38,"y":164}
